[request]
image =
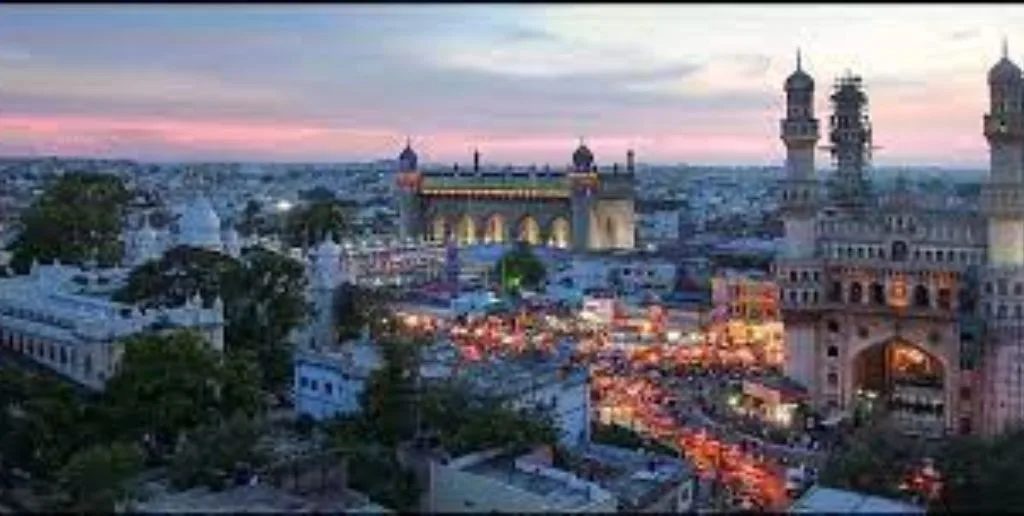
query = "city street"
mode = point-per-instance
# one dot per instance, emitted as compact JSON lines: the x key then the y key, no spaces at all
{"x":659,"y":391}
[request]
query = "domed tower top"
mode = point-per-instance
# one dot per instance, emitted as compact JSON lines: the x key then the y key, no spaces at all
{"x":1004,"y":71}
{"x":407,"y":160}
{"x":583,"y":159}
{"x":799,"y":79}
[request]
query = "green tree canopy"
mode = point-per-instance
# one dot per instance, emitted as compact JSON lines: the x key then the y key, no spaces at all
{"x":212,"y":452}
{"x":976,"y":474}
{"x":520,"y":268}
{"x":181,"y":273}
{"x":167,"y":384}
{"x":875,"y":459}
{"x":77,"y":218}
{"x":356,"y":306}
{"x":388,"y":401}
{"x":263,"y":295}
{"x":99,"y":476}
{"x":306,"y":225}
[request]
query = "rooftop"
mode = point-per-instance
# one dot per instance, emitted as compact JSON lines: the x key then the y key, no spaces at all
{"x":561,"y":490}
{"x":511,"y":377}
{"x":636,"y":478}
{"x":255,"y":498}
{"x":829,"y":500}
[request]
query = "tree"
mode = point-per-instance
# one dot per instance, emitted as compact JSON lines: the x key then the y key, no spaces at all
{"x":307,"y":225}
{"x":387,"y":400}
{"x":520,"y":268}
{"x":318,"y":194}
{"x":262,"y":308}
{"x":77,"y":218}
{"x":252,"y":221}
{"x":98,"y":477}
{"x":876,"y":460}
{"x":356,"y":307}
{"x":211,"y":453}
{"x":975,"y":474}
{"x":180,"y":274}
{"x":166,"y":385}
{"x":263,"y":295}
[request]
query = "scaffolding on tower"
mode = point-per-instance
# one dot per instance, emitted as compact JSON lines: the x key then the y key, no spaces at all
{"x":850,"y":138}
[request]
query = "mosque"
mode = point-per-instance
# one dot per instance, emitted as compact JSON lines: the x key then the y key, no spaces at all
{"x":581,"y":207}
{"x":896,"y":304}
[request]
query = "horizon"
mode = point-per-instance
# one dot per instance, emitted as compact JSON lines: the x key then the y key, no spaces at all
{"x":338,"y":84}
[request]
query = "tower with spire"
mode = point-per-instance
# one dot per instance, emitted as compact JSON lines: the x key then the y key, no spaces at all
{"x":1004,"y":130}
{"x":850,"y":144}
{"x":800,"y":134}
{"x":409,"y":183}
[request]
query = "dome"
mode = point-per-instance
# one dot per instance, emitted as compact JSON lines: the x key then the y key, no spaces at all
{"x":199,"y":225}
{"x":799,"y":80}
{"x":407,"y":159}
{"x":1004,"y":72}
{"x":583,"y":159}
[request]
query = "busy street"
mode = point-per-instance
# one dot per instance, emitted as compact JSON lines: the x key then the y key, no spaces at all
{"x":660,"y":388}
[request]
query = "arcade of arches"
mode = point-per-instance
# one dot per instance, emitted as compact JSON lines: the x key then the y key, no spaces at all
{"x":496,"y":229}
{"x":904,"y":381}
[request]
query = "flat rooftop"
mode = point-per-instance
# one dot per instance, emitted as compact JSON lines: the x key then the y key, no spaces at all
{"x":559,"y":494}
{"x":509,"y":377}
{"x":260,"y":498}
{"x":637,"y":479}
{"x":830,"y":500}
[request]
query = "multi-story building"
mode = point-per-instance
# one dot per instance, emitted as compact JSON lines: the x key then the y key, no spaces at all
{"x":891,"y":298}
{"x":580,"y":207}
{"x":62,"y":318}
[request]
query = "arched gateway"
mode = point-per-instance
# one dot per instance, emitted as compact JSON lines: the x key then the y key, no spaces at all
{"x":903,"y":381}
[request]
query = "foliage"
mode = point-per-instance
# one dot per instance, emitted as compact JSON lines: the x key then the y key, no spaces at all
{"x":166,"y":385}
{"x":252,"y":222}
{"x":875,"y":459}
{"x":307,"y":225}
{"x":977,"y":474}
{"x":97,"y":477}
{"x":466,"y":423}
{"x":388,"y":399}
{"x":213,"y":452}
{"x":78,"y":217}
{"x":318,"y":193}
{"x":180,"y":274}
{"x":263,"y":295}
{"x":262,"y":310}
{"x":520,"y":268}
{"x":356,"y":307}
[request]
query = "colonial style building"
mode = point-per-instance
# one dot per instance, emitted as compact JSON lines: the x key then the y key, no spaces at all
{"x":581,"y":207}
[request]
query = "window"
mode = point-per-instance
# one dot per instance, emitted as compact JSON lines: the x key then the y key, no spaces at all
{"x":328,"y":388}
{"x":833,"y":327}
{"x":945,"y":299}
{"x":856,"y":293}
{"x":313,"y":386}
{"x":862,"y":332}
{"x":833,"y":379}
{"x":922,"y":299}
{"x":832,"y":352}
{"x":792,"y":276}
{"x":899,"y":251}
{"x":878,"y":294}
{"x":835,"y":294}
{"x":303,"y":382}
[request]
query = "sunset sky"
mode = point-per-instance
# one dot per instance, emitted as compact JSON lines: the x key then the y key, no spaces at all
{"x":695,"y":84}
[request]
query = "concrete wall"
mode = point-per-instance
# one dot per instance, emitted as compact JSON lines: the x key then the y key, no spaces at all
{"x":343,"y":399}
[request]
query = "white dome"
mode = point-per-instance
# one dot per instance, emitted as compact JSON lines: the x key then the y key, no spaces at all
{"x":199,"y":225}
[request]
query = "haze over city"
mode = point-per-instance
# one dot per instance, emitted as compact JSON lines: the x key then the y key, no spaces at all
{"x":695,"y":84}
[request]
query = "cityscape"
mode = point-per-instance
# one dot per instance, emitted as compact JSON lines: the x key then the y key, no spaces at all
{"x":511,"y":258}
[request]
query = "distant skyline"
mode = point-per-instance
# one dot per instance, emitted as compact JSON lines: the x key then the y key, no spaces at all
{"x":699,"y":84}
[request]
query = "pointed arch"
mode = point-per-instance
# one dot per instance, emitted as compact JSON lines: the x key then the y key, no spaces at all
{"x":528,"y":230}
{"x":495,"y":229}
{"x":466,"y":233}
{"x":560,"y":233}
{"x":439,"y":229}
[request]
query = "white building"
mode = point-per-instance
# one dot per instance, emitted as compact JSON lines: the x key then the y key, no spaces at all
{"x":827,"y":500}
{"x":197,"y":225}
{"x":528,"y":383}
{"x":627,"y":274}
{"x":61,"y":317}
{"x":330,"y":383}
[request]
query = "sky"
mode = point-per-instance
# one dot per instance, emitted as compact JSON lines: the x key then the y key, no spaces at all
{"x":699,"y":84}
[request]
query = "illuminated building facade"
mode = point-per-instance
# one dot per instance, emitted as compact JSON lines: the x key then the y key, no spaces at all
{"x":881,"y":295}
{"x":579,"y":208}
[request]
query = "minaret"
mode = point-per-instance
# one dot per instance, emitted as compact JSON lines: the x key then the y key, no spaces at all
{"x":800,"y":187}
{"x":1005,"y":134}
{"x":630,"y":161}
{"x":476,"y":162}
{"x":409,"y":181}
{"x":584,"y":186}
{"x":327,"y":277}
{"x":850,"y":138}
